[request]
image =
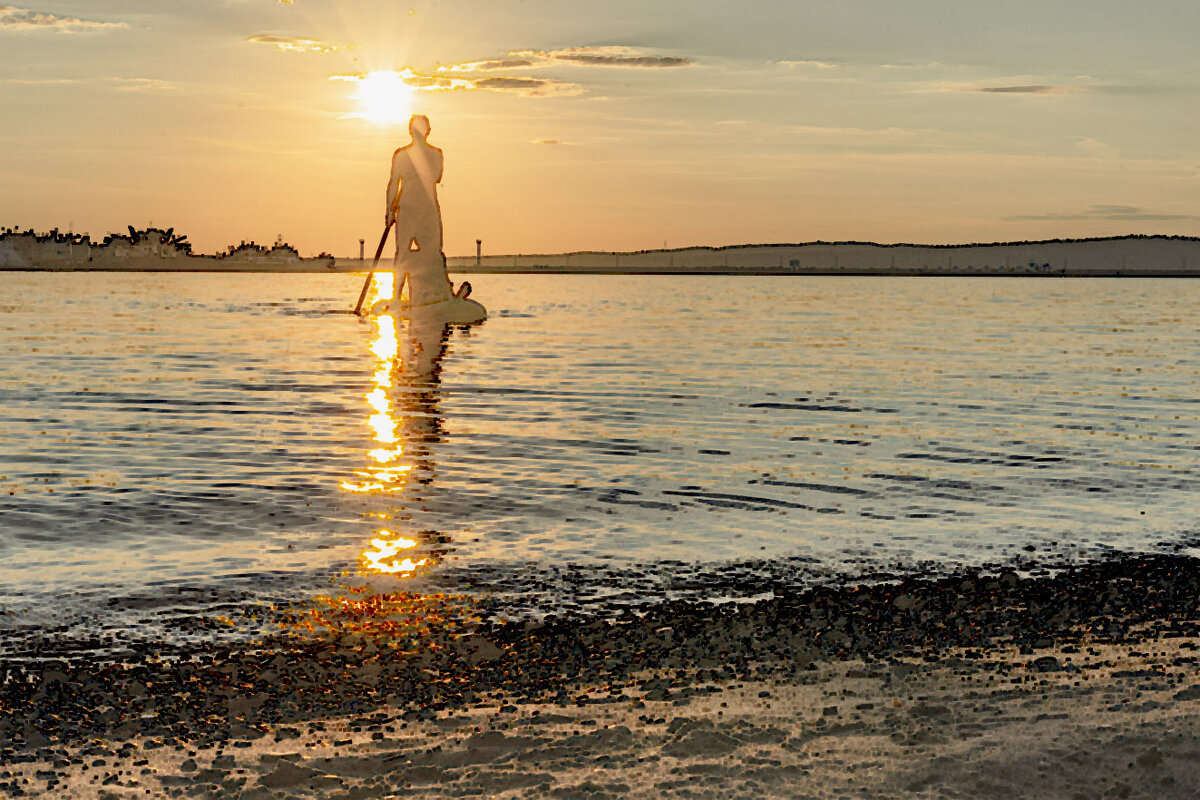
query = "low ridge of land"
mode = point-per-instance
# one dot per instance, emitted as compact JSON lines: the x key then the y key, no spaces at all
{"x":1123,"y":256}
{"x":1115,"y":256}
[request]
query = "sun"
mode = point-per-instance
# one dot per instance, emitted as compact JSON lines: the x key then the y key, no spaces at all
{"x":384,"y":97}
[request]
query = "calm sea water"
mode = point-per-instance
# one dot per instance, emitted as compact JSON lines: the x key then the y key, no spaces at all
{"x":174,"y":444}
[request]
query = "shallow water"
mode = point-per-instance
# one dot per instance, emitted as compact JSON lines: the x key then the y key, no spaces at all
{"x":178,"y":445}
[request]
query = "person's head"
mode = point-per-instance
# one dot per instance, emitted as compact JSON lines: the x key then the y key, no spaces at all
{"x":419,"y":126}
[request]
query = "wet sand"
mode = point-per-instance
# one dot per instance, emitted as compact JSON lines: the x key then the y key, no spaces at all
{"x":1079,"y":683}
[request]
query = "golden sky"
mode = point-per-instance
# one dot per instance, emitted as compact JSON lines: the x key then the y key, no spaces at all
{"x":572,"y":125}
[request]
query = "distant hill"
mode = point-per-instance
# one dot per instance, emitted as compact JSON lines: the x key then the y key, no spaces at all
{"x":1110,"y":256}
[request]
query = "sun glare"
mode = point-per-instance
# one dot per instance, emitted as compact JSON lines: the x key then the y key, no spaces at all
{"x":385,"y":97}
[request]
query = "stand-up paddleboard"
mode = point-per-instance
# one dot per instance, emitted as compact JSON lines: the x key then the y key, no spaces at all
{"x":455,"y":311}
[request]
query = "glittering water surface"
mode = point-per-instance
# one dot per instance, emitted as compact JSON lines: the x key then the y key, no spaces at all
{"x":203,"y":440}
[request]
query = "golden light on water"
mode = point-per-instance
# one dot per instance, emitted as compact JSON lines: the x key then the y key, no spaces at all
{"x":386,"y":456}
{"x":388,"y":553}
{"x":392,"y":540}
{"x":378,"y":400}
{"x":385,"y":347}
{"x":384,"y":425}
{"x":382,"y":287}
{"x":362,"y":488}
{"x":383,"y":422}
{"x":385,"y":556}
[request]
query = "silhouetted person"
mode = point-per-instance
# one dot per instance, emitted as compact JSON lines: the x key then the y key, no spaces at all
{"x":412,"y":202}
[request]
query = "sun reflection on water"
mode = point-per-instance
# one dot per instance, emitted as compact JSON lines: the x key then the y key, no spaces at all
{"x":364,"y":609}
{"x":384,"y":422}
{"x":398,"y":426}
{"x":386,"y":555}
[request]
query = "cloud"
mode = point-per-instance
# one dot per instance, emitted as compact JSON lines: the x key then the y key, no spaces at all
{"x":13,"y":18}
{"x":1095,"y":147}
{"x":524,"y":87}
{"x":1041,"y":89}
{"x":808,"y":63}
{"x":616,"y":57}
{"x":490,"y":65}
{"x":556,"y":142}
{"x":1101,"y":211}
{"x":531,"y":87}
{"x":118,"y":84}
{"x":142,"y":85}
{"x":38,"y":81}
{"x":913,"y":65}
{"x":290,"y":44}
{"x":1083,"y":86}
{"x":608,"y":56}
{"x":466,"y":75}
{"x":1028,"y":89}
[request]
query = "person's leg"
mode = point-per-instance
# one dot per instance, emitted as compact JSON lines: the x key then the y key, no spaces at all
{"x":399,"y":269}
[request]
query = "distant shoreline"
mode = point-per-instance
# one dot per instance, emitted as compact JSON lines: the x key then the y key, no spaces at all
{"x":1119,"y":256}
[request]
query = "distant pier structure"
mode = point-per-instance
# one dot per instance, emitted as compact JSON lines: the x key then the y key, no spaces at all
{"x":479,"y":252}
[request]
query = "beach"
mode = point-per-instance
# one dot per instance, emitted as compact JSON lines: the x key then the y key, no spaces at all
{"x":632,"y":536}
{"x":1079,"y":683}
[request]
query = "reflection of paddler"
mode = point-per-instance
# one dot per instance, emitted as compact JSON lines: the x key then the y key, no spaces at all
{"x":415,"y":392}
{"x":413,"y":205}
{"x":422,"y":343}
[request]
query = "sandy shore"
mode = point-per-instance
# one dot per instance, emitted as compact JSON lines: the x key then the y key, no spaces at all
{"x":1073,"y":684}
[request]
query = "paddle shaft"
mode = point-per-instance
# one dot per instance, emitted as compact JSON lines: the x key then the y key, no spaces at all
{"x":366,"y":284}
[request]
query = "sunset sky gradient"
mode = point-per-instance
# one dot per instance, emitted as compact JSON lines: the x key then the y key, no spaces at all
{"x":573,"y":125}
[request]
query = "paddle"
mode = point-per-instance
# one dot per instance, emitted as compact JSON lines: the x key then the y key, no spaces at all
{"x":367,"y":284}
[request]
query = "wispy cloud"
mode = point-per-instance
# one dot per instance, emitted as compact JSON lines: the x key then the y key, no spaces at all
{"x":524,"y":87}
{"x":142,"y":85}
{"x":23,"y":19}
{"x":1109,"y":212}
{"x":808,"y":63}
{"x":591,"y":56}
{"x":613,"y":56}
{"x":292,"y":44}
{"x":553,"y":142}
{"x":491,"y":64}
{"x":913,"y":65}
{"x":1096,"y":148}
{"x":1024,"y":85}
{"x":1012,"y":87}
{"x":1027,"y":89}
{"x":118,"y":84}
{"x":535,"y":87}
{"x":38,"y":81}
